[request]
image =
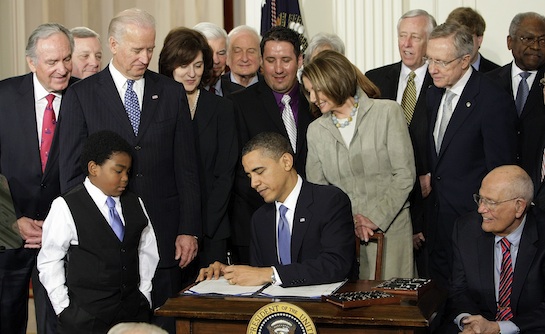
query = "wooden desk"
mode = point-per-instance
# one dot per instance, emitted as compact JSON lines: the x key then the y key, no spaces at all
{"x":197,"y":314}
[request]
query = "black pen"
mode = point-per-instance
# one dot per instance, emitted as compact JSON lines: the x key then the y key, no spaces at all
{"x":229,"y":259}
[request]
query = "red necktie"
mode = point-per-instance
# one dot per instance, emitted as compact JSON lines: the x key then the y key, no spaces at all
{"x":48,"y":130}
{"x":506,"y":281}
{"x":212,"y":89}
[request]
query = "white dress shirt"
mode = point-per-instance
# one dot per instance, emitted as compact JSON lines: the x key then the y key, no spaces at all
{"x":59,"y":233}
{"x":420,"y":74}
{"x":291,"y":204}
{"x":121,"y":84}
{"x":40,"y":103}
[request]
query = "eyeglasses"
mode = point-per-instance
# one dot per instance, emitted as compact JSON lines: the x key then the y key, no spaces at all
{"x":441,"y":63}
{"x":529,"y":41}
{"x":489,"y":204}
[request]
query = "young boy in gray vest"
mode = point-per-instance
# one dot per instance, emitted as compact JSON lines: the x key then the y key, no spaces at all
{"x":105,"y":235}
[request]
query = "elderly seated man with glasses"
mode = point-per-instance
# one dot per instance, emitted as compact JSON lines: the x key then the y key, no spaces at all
{"x":498,"y":275}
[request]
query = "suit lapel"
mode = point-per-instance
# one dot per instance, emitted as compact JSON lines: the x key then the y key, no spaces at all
{"x":535,"y":96}
{"x":110,"y":99}
{"x":525,"y":257}
{"x":463,"y":109}
{"x":434,"y":97}
{"x":392,"y":78}
{"x":204,"y":113}
{"x":301,"y":220}
{"x":150,"y":101}
{"x":486,"y":269}
{"x":27,"y":116}
{"x":265,"y":95}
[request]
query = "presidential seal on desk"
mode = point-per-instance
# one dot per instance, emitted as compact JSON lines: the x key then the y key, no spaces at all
{"x":281,"y":318}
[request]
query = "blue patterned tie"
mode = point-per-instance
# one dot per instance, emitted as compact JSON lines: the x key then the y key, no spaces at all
{"x":132,"y":106}
{"x":115,"y":220}
{"x":284,"y":237}
{"x":522,"y":92}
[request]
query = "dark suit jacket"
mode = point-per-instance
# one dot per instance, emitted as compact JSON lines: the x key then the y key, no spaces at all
{"x":531,"y":123}
{"x":486,"y":65}
{"x":217,"y":148}
{"x":164,"y":168}
{"x":322,"y":241}
{"x":387,"y":80}
{"x":32,"y":190}
{"x":227,"y":86}
{"x":472,"y":288}
{"x":480,"y":136}
{"x":256,"y":111}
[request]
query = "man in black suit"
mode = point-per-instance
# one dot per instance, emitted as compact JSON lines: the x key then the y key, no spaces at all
{"x":164,"y":172}
{"x":320,"y":237}
{"x":32,"y":172}
{"x":413,"y":30}
{"x":472,"y":130}
{"x":259,"y":108}
{"x":478,"y":300}
{"x":526,"y":41}
{"x":470,"y":18}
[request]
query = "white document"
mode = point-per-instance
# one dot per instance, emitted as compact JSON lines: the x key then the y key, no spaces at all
{"x":222,"y":287}
{"x":310,"y":291}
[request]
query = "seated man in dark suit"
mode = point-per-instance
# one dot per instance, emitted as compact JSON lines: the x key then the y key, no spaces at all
{"x":499,"y":260}
{"x":318,"y":246}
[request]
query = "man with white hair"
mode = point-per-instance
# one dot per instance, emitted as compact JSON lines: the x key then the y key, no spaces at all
{"x":217,"y":39}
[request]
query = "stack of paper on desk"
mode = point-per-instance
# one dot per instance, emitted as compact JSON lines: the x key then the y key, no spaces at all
{"x":222,"y":287}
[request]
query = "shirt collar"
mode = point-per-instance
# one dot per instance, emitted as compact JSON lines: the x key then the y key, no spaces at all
{"x":513,"y":237}
{"x":291,"y":200}
{"x":420,"y":72}
{"x":293,"y":93}
{"x":515,"y":70}
{"x":120,"y":80}
{"x":39,"y":91}
{"x":96,"y":194}
{"x":459,"y":86}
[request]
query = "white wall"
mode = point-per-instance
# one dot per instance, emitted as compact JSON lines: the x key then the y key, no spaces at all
{"x":368,"y":27}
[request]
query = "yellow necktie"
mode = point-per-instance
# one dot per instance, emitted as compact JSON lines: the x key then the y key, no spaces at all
{"x":408,"y":101}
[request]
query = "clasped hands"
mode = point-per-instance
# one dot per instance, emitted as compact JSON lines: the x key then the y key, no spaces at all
{"x":30,"y":230}
{"x":236,"y":274}
{"x":364,"y":227}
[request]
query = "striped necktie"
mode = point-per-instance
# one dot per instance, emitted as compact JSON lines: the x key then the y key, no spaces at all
{"x":408,"y":101}
{"x":506,"y":281}
{"x":289,"y":121}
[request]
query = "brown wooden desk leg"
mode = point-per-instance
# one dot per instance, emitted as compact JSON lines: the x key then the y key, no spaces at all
{"x":183,"y":326}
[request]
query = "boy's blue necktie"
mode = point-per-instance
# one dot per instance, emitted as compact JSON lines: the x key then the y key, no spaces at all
{"x":115,"y":220}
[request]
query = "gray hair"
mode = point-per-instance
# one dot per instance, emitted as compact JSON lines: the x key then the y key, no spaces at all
{"x":211,"y":30}
{"x":136,"y":328}
{"x":45,"y":31}
{"x":243,"y":28}
{"x":463,"y":38}
{"x":323,"y":39}
{"x":133,"y":16}
{"x":84,"y":32}
{"x":517,"y":20}
{"x":416,"y":13}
